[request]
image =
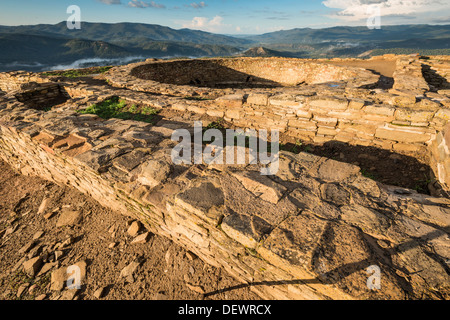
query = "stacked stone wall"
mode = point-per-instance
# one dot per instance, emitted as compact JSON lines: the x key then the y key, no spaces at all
{"x":309,"y":232}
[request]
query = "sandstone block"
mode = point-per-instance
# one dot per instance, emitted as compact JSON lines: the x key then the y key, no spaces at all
{"x":154,"y":171}
{"x":332,"y":170}
{"x":258,"y":99}
{"x":327,"y":131}
{"x":329,"y":103}
{"x":383,"y":110}
{"x":413,"y":115}
{"x":261,"y":186}
{"x":356,"y":104}
{"x":326,"y":121}
{"x":402,"y":135}
{"x":215,"y":113}
{"x":233,"y":114}
{"x":302,"y":124}
{"x":247,"y":230}
{"x":297,"y":247}
{"x":231,"y":101}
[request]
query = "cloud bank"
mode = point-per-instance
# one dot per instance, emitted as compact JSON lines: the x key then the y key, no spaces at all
{"x":357,"y":10}
{"x":142,"y":4}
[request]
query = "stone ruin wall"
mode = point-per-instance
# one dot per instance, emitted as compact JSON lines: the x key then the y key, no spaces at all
{"x":13,"y":81}
{"x":270,"y":72}
{"x":392,"y":119}
{"x":276,"y":232}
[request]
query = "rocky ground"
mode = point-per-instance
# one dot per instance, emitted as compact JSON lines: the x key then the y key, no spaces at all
{"x":44,"y":228}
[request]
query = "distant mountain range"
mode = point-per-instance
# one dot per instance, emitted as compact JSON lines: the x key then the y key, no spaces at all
{"x":265,"y":52}
{"x":352,"y":34}
{"x":44,"y":45}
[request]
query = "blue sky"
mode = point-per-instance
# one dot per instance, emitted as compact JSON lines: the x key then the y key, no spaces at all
{"x":229,"y":16}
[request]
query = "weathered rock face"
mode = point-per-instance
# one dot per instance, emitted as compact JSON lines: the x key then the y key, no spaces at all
{"x":311,"y":231}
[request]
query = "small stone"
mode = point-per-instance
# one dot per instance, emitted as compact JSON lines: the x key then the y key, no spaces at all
{"x":198,"y":289}
{"x":58,"y":279}
{"x":154,"y":171}
{"x":41,"y":297}
{"x":112,"y":245}
{"x":10,"y":230}
{"x":35,"y":251}
{"x":27,"y":247}
{"x":68,"y":242}
{"x":143,"y":238}
{"x":129,"y":222}
{"x":32,"y":289}
{"x":43,"y":206}
{"x":167,"y":256}
{"x":191,"y":256}
{"x":22,"y":289}
{"x":69,"y":294}
{"x":134,"y":228}
{"x":99,"y":292}
{"x":69,"y":218}
{"x":31,"y":267}
{"x":128,"y":271}
{"x":47,"y":267}
{"x":38,"y":235}
{"x":18,"y":264}
{"x":61,"y":275}
{"x":160,"y":296}
{"x":58,"y":254}
{"x":49,"y":215}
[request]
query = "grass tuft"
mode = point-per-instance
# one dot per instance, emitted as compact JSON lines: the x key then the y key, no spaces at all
{"x":117,"y":108}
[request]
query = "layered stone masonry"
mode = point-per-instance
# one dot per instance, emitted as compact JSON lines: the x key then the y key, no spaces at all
{"x":437,"y":70}
{"x":407,"y":118}
{"x":14,"y":80}
{"x":308,"y":232}
{"x":42,"y":96}
{"x":249,"y":72}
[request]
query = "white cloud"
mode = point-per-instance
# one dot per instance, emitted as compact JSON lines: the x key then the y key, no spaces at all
{"x":198,"y":5}
{"x":202,"y":23}
{"x":357,"y":10}
{"x":142,"y":4}
{"x":110,"y":1}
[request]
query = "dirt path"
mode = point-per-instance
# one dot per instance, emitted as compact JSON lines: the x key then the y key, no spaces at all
{"x":101,"y":239}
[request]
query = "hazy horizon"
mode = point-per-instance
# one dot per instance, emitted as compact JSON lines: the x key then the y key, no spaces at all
{"x":230,"y":34}
{"x":227,"y":16}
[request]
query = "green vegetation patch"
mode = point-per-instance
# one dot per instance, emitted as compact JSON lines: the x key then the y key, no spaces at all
{"x":76,"y":73}
{"x":117,"y":108}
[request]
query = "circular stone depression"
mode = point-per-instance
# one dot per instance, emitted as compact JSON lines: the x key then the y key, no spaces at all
{"x":244,"y":72}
